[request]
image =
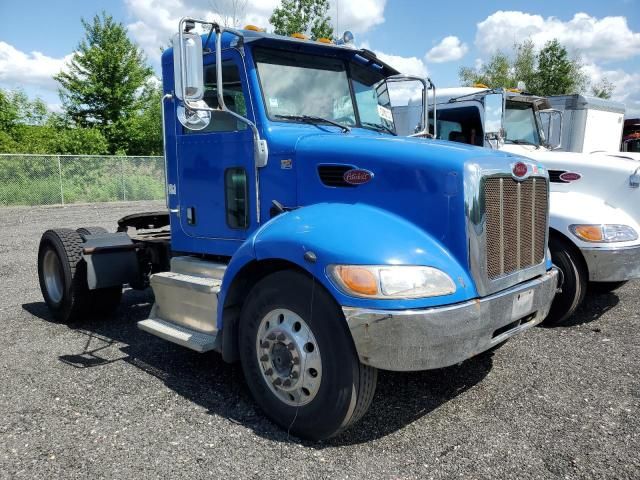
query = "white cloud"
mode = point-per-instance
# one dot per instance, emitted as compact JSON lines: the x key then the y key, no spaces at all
{"x":448,"y":50}
{"x":34,"y":69}
{"x":358,"y":16}
{"x":408,"y":65}
{"x":156,"y":21}
{"x":606,"y":38}
{"x":626,"y":85}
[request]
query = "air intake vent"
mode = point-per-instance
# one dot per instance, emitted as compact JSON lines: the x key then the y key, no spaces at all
{"x":554,"y":176}
{"x":333,"y":175}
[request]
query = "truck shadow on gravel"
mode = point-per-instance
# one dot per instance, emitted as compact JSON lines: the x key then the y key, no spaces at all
{"x":401,"y":398}
{"x":594,"y":306}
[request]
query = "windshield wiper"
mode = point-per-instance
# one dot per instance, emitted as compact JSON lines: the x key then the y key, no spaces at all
{"x":378,"y":127}
{"x":314,"y":119}
{"x":521,"y":142}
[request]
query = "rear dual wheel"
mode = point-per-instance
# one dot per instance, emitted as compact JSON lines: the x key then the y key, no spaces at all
{"x":299,"y":360}
{"x":62,"y":273}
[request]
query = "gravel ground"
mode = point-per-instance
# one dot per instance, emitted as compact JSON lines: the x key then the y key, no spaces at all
{"x":101,"y":399}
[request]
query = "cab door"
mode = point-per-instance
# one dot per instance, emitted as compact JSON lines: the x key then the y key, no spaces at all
{"x":216,"y":179}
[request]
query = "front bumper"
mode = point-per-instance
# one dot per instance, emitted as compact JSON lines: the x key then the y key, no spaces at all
{"x":612,"y":264}
{"x":439,"y":337}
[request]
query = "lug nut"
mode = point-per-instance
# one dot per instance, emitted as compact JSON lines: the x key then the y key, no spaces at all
{"x":271,"y":336}
{"x":296,"y":361}
{"x":286,"y":383}
{"x":291,"y":346}
{"x":277,"y":382}
{"x":294,"y":375}
{"x":264,"y":344}
{"x":268,"y":372}
{"x":281,"y":337}
{"x":264,"y":358}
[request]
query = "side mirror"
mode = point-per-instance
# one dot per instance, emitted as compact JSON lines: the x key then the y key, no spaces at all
{"x":187,"y":66}
{"x":493,"y":117}
{"x":551,"y":123}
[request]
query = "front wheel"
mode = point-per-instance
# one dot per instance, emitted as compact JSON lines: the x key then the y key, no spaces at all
{"x":574,"y":272}
{"x":299,"y":360}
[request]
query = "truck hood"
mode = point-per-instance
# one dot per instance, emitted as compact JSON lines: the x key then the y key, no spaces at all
{"x":420,"y":180}
{"x":604,"y":176}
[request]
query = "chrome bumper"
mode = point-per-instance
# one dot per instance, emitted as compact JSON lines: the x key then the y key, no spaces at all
{"x":612,"y":264}
{"x":439,"y":337}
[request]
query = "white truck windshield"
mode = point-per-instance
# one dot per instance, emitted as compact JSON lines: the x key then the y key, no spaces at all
{"x":520,"y":124}
{"x":301,"y":85}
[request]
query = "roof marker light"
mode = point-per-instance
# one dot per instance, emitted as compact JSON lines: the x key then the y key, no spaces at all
{"x":300,"y":36}
{"x":479,"y":85}
{"x":324,"y":40}
{"x":253,"y":28}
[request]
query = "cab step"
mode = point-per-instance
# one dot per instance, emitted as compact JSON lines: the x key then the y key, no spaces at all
{"x":198,"y":341}
{"x":186,"y":306}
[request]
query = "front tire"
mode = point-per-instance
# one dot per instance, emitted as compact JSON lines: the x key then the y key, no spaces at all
{"x":62,"y":273}
{"x":567,"y":258}
{"x":299,"y":360}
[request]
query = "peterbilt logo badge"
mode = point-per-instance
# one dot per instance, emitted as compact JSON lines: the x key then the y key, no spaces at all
{"x":357,"y":176}
{"x":570,"y":177}
{"x":520,"y":170}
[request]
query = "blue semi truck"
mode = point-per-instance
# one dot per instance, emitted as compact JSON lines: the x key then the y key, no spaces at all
{"x":306,"y":240}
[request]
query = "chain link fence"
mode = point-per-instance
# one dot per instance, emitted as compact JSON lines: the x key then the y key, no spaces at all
{"x":64,"y":179}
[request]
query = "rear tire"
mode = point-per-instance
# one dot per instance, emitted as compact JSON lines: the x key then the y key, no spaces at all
{"x":605,"y":287}
{"x":62,"y":273}
{"x":84,"y":231}
{"x":299,"y":360}
{"x":566,"y":257}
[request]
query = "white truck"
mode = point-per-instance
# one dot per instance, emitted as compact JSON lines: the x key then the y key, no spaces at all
{"x":587,"y":124}
{"x":594,"y":198}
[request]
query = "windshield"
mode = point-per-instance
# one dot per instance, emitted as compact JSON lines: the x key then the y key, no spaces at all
{"x":520,"y":123}
{"x":295,"y":84}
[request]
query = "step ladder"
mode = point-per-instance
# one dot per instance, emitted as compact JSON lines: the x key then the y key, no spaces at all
{"x":186,"y":305}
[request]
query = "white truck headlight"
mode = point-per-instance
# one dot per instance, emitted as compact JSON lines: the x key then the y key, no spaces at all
{"x":392,"y":281}
{"x":604,"y":233}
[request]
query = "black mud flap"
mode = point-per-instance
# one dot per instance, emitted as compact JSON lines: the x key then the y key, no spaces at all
{"x":111,"y":260}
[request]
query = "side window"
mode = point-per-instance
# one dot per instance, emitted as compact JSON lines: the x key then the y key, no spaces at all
{"x":233,"y":98}
{"x":460,"y":124}
{"x":236,"y":194}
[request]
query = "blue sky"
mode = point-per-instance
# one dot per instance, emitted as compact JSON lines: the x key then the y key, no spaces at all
{"x":414,"y":36}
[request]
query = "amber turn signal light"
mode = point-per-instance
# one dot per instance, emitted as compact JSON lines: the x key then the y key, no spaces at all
{"x":357,"y":279}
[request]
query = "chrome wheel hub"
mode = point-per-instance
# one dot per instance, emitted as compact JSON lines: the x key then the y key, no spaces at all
{"x":53,"y":278}
{"x":289,"y":357}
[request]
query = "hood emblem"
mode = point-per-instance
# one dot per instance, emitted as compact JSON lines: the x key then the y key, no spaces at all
{"x":520,"y":171}
{"x":357,"y":176}
{"x":570,"y":177}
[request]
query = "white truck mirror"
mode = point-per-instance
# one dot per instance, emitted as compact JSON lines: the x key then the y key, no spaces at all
{"x":187,"y":66}
{"x":551,"y":122}
{"x":494,"y":117}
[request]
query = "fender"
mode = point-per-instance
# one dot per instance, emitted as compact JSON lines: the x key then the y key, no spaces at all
{"x":568,"y":208}
{"x":349,"y":234}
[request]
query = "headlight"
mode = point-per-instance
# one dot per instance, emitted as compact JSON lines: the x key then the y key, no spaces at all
{"x":392,"y":281}
{"x":604,"y":233}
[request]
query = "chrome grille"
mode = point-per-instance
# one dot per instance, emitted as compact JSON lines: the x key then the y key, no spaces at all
{"x":516,"y":223}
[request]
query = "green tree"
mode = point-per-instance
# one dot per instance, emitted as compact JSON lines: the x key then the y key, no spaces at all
{"x":557,"y":73}
{"x":102,"y":85}
{"x":549,"y":72}
{"x":303,"y":16}
{"x":603,"y":89}
{"x":497,"y":73}
{"x":145,"y":127}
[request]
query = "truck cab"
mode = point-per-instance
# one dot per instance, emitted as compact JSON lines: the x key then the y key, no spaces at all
{"x":306,"y":239}
{"x":595,"y":198}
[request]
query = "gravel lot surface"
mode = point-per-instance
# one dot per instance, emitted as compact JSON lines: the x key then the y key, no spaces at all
{"x":101,"y":399}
